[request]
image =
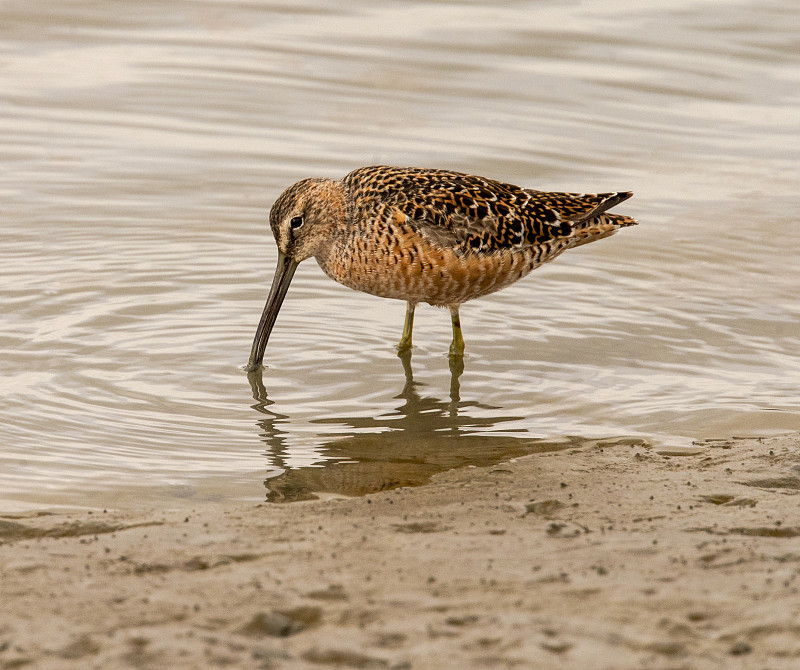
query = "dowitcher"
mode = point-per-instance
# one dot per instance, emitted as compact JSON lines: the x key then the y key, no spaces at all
{"x":424,"y":235}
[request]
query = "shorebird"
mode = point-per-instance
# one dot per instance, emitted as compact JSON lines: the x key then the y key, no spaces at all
{"x":424,"y":235}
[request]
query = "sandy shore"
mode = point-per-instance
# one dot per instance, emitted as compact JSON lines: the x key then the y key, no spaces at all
{"x":611,"y":556}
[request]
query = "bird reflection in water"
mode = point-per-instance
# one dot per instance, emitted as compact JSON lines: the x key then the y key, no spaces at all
{"x":404,"y":447}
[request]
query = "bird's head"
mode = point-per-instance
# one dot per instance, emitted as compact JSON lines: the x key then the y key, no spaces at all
{"x":304,"y":216}
{"x":303,"y":220}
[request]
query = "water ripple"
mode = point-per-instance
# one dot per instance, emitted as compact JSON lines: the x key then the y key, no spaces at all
{"x":143,"y":150}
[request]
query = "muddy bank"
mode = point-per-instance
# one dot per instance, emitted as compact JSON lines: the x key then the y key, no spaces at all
{"x":610,"y":556}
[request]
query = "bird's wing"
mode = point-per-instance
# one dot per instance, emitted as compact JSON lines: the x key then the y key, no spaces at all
{"x":472,"y":214}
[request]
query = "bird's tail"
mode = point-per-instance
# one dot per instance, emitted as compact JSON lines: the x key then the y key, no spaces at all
{"x":597,"y":223}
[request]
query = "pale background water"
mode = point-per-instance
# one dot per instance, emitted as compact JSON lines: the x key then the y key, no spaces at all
{"x":142,"y":144}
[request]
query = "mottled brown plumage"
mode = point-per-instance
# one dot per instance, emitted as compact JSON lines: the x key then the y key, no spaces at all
{"x":424,"y":235}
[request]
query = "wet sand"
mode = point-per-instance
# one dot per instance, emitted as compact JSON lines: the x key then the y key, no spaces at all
{"x":611,"y":556}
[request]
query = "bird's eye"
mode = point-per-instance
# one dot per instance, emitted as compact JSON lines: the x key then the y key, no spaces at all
{"x":296,"y":222}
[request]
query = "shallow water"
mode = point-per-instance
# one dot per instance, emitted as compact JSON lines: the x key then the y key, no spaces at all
{"x":143,"y":143}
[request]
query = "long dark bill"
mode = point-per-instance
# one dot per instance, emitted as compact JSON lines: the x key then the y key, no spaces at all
{"x":280,"y":284}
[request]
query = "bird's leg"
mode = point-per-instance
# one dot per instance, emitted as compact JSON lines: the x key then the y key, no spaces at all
{"x":457,"y":345}
{"x":405,"y":341}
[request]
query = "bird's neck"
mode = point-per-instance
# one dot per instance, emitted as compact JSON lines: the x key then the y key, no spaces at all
{"x":332,"y":218}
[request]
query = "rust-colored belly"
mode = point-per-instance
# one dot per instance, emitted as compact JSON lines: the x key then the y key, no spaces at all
{"x":402,"y":264}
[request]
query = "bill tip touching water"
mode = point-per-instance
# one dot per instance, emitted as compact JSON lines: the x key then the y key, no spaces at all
{"x":424,"y":235}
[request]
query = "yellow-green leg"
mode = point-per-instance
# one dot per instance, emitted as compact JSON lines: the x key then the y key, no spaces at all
{"x":405,"y":341}
{"x":457,"y":345}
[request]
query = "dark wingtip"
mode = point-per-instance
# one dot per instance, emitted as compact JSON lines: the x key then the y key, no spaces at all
{"x":614,"y":199}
